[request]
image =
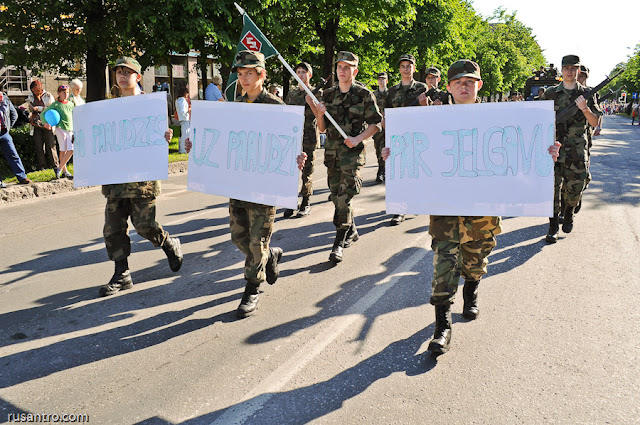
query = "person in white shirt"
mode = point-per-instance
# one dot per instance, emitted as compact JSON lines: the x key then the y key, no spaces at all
{"x":183,"y":110}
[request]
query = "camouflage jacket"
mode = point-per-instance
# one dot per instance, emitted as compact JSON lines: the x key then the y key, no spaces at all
{"x":264,"y":97}
{"x":435,"y":94}
{"x":381,"y":98}
{"x":352,"y":111}
{"x":400,"y":96}
{"x":297,"y":96}
{"x":464,"y":229}
{"x":573,"y":133}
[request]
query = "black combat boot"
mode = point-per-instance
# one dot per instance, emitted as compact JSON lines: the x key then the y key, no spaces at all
{"x":352,"y":235}
{"x":304,"y":208}
{"x":120,"y":281}
{"x":567,"y":224}
{"x":397,"y":219}
{"x":338,"y":244}
{"x":578,"y":207}
{"x":563,"y":205}
{"x":275,"y":254}
{"x":380,"y":175}
{"x":442,"y":335}
{"x":172,"y":248}
{"x":249,"y":303}
{"x":470,"y":296}
{"x":554,"y":228}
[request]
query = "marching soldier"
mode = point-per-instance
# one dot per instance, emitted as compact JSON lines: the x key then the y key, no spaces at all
{"x":251,"y":224}
{"x":405,"y":93}
{"x":582,"y":79}
{"x":378,"y":138}
{"x":461,"y":245}
{"x":136,"y":200}
{"x":297,"y":96}
{"x":571,"y":170}
{"x":354,"y":108}
{"x":434,"y":95}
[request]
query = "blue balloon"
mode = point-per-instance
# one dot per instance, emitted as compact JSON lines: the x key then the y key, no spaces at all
{"x":52,"y":116}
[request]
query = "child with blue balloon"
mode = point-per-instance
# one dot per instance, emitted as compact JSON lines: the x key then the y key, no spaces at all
{"x":60,"y":116}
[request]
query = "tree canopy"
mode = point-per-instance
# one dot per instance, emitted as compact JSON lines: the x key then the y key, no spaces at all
{"x":59,"y":34}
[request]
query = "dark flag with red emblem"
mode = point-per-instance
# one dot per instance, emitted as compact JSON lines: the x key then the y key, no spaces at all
{"x":251,"y":39}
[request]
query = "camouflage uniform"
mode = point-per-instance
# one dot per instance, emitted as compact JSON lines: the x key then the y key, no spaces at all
{"x":352,"y":111}
{"x":571,"y":168}
{"x":135,"y":200}
{"x":400,"y":96}
{"x":297,"y":96}
{"x":437,"y":94}
{"x":378,"y":138}
{"x":461,"y":245}
{"x":251,"y":224}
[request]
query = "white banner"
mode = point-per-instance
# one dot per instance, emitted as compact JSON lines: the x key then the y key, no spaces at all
{"x":486,"y":159}
{"x":246,"y":151}
{"x":121,"y":140}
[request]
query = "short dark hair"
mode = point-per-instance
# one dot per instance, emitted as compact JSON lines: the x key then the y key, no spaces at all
{"x":182,"y":91}
{"x":35,"y":84}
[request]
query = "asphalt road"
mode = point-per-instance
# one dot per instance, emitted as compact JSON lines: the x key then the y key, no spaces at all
{"x":557,"y":340}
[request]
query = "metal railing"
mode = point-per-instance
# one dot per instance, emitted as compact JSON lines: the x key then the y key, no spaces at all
{"x":14,"y":80}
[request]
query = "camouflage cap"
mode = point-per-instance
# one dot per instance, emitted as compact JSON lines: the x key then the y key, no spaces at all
{"x":348,"y":57}
{"x":571,"y":60}
{"x":433,"y":70}
{"x":304,"y":65}
{"x":248,"y":59}
{"x":584,"y":70}
{"x":407,"y":57}
{"x":463,"y":68}
{"x":382,"y":75}
{"x":128,"y":62}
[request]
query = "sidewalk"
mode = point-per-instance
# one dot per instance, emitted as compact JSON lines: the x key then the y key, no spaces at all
{"x":15,"y":192}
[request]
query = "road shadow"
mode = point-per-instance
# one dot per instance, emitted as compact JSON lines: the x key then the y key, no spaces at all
{"x":404,"y":294}
{"x":505,"y":259}
{"x":303,"y":405}
{"x":205,"y":273}
{"x":73,"y":352}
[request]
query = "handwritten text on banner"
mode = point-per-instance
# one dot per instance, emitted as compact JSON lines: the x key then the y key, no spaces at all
{"x":121,"y":140}
{"x":471,"y":160}
{"x":246,"y":151}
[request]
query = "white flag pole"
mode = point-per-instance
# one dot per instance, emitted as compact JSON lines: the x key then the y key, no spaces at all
{"x":302,"y":84}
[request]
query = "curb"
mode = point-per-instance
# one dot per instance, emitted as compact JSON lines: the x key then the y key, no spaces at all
{"x":18,"y":192}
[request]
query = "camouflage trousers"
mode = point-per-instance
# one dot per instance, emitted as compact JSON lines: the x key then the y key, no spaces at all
{"x":251,"y":226}
{"x":307,"y":171}
{"x":378,"y":142}
{"x":451,"y":259}
{"x":570,"y":180}
{"x":343,"y":176}
{"x":143,"y":216}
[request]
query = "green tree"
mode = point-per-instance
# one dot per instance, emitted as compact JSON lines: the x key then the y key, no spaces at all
{"x":507,"y":52}
{"x":59,"y":34}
